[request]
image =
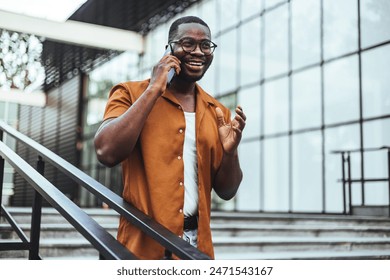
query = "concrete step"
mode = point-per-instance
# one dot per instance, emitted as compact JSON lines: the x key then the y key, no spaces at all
{"x":297,"y":219}
{"x":22,"y":215}
{"x":308,"y":255}
{"x":243,"y":230}
{"x":64,"y":230}
{"x":235,"y":235}
{"x":288,"y":244}
{"x":58,"y":247}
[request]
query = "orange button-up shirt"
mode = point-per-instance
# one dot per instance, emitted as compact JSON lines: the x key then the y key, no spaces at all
{"x":153,"y":173}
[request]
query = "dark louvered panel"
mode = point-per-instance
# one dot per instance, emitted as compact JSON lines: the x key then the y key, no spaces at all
{"x":67,"y":136}
{"x":50,"y":131}
{"x":22,"y":193}
{"x":55,"y":128}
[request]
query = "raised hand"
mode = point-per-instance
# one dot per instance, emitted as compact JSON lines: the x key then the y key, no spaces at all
{"x":230,"y":133}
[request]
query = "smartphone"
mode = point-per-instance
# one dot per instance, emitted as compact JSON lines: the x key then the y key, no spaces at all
{"x":171,"y":72}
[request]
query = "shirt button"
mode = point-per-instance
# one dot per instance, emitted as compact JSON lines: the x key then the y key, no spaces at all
{"x":181,"y":210}
{"x":181,"y":130}
{"x":179,"y":107}
{"x":181,"y":183}
{"x":179,"y":157}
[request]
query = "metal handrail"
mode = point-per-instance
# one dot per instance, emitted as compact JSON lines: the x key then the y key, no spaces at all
{"x":158,"y":232}
{"x":347,"y":179}
{"x":103,"y":241}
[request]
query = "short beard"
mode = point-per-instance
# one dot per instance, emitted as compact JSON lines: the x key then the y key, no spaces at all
{"x":194,"y":79}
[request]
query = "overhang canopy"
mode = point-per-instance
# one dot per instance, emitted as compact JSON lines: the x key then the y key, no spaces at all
{"x":74,"y":32}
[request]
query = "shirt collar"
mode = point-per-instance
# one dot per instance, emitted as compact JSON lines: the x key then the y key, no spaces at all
{"x":201,"y":95}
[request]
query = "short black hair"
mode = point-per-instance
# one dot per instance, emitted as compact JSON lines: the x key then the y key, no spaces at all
{"x":187,"y":19}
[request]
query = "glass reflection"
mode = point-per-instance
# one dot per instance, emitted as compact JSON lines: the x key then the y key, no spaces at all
{"x":340,"y":138}
{"x":276,"y":106}
{"x":340,"y":27}
{"x":276,"y":42}
{"x":227,"y":52}
{"x":229,"y":15}
{"x":375,"y":21}
{"x":376,"y":134}
{"x":307,"y":171}
{"x":250,"y":8}
{"x":248,"y":196}
{"x":250,"y":52}
{"x":341,"y":84}
{"x":249,"y":99}
{"x":306,"y":99}
{"x":376,"y":82}
{"x":276,"y":189}
{"x":306,"y":35}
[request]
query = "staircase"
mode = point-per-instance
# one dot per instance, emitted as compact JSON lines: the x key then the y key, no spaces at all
{"x":58,"y":239}
{"x":300,"y":236}
{"x":235,"y":235}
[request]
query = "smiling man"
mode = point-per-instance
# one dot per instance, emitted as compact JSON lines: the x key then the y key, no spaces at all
{"x":176,"y":144}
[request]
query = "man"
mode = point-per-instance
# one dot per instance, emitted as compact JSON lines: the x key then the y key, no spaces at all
{"x":176,"y":143}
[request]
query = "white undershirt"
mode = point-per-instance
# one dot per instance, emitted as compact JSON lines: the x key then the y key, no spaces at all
{"x":191,"y":196}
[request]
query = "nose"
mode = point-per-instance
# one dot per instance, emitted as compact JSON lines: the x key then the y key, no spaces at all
{"x":198,"y":50}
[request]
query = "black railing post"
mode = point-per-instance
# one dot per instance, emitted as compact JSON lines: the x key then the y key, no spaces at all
{"x":167,"y":255}
{"x":36,"y":217}
{"x":388,"y":171}
{"x":344,"y":183}
{"x":349,"y":182}
{"x":2,"y":167}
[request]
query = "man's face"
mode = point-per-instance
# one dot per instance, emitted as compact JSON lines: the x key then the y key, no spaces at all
{"x":194,"y":64}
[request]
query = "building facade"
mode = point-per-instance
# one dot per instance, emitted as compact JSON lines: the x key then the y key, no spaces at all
{"x":312,"y":77}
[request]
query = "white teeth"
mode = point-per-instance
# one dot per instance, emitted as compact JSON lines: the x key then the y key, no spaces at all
{"x":195,"y":63}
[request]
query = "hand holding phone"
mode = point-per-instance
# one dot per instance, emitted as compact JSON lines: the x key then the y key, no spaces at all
{"x":171,"y":72}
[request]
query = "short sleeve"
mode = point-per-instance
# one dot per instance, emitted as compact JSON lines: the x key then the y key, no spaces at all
{"x":118,"y":102}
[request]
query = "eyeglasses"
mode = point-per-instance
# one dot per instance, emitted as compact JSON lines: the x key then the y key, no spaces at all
{"x":189,"y":45}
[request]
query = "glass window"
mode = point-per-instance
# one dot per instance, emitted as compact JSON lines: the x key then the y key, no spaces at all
{"x":341,"y":84}
{"x":207,"y":11}
{"x":249,"y":99}
{"x":248,"y":196}
{"x":229,"y":101}
{"x":250,"y":52}
{"x":227,"y":52}
{"x":376,"y":134}
{"x":250,"y":8}
{"x":341,"y":138}
{"x":306,"y":37}
{"x":276,"y":175}
{"x":208,"y":80}
{"x":271,"y":3}
{"x":340,"y":27}
{"x":276,"y":106}
{"x":159,"y":41}
{"x":147,"y":59}
{"x":2,"y":110}
{"x":229,"y":15}
{"x":276,"y":42}
{"x":306,"y":99}
{"x":95,"y":110}
{"x":374,"y":21}
{"x":376,"y":82}
{"x":307,"y":172}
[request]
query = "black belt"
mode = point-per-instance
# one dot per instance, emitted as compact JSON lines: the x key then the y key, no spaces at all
{"x":191,"y":223}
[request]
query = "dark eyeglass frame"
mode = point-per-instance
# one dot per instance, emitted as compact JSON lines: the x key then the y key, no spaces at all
{"x":200,"y":43}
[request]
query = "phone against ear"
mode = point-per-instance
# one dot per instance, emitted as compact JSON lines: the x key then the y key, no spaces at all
{"x":171,"y":72}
